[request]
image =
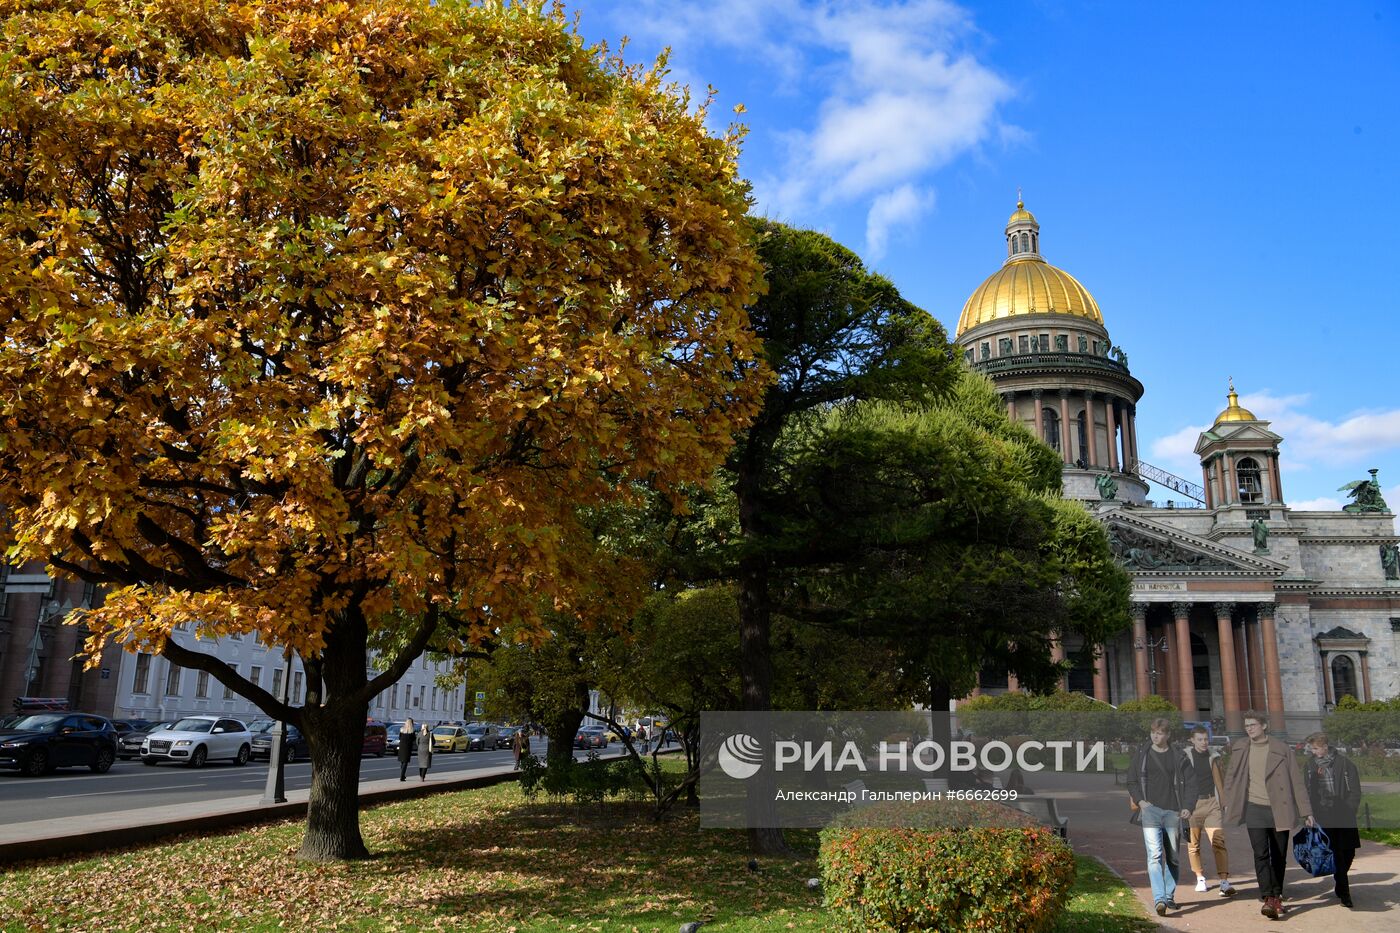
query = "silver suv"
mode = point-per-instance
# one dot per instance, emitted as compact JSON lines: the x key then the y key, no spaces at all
{"x":196,"y":739}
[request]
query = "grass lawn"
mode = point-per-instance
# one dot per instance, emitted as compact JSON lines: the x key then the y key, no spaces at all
{"x":473,"y":860}
{"x":1385,"y":816}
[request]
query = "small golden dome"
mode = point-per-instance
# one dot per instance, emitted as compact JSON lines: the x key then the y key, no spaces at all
{"x":1233,"y":412}
{"x":1021,"y":215}
{"x":1028,"y":285}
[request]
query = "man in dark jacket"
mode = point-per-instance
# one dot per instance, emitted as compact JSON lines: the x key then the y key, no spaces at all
{"x":1157,"y":789}
{"x":1334,"y":790}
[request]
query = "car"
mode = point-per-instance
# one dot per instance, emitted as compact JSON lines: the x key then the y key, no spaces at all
{"x":506,"y":737}
{"x":129,"y":745}
{"x":197,"y":739}
{"x":38,"y":743}
{"x":123,"y":726}
{"x":591,"y":737}
{"x":451,"y":739}
{"x":294,"y":745}
{"x":618,"y":734}
{"x":376,"y":738}
{"x":482,"y":736}
{"x":391,"y":739}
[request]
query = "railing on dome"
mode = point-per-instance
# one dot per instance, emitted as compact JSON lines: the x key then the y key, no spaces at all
{"x":1049,"y":360}
{"x":1170,"y":480}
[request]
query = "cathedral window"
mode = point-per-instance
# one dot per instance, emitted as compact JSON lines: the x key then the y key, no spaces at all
{"x":1004,"y":346}
{"x":1015,"y":246}
{"x":1061,"y":343}
{"x":986,"y":349}
{"x":1025,"y":343}
{"x":1251,"y":489}
{"x":1050,"y":427}
{"x":1025,"y":243}
{"x":1035,"y":242}
{"x":1343,"y":678}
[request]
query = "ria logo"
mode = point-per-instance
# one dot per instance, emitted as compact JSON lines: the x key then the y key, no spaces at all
{"x":740,"y":756}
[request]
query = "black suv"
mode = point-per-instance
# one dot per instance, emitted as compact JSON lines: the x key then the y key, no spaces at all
{"x":38,"y":743}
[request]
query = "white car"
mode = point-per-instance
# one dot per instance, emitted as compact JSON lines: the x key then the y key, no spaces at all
{"x":196,"y":739}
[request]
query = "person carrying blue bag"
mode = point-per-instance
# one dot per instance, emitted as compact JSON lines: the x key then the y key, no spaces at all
{"x":1334,"y":790}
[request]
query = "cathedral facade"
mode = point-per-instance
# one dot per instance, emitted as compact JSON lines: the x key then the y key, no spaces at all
{"x":1239,"y":602}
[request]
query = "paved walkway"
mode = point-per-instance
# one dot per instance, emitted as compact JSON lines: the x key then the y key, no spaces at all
{"x":1099,"y":827}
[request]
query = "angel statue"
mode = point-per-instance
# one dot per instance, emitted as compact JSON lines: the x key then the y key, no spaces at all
{"x":1367,"y":495}
{"x":1108,"y":489}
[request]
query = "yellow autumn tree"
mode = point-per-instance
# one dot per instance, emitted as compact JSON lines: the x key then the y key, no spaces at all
{"x":321,"y":318}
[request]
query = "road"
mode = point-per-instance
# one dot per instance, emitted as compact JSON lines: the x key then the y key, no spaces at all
{"x":76,"y":792}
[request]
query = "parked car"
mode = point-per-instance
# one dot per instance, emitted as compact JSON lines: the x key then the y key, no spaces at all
{"x":450,"y":739}
{"x":616,"y":735}
{"x":391,"y":740}
{"x":38,"y":743}
{"x":506,"y":737}
{"x":129,"y":745}
{"x":482,"y":736}
{"x":123,"y":726}
{"x":376,"y":738}
{"x":294,"y":744}
{"x":197,"y":739}
{"x":591,"y":737}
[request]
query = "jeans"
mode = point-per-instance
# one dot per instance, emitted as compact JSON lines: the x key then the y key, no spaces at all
{"x":1161,"y":834}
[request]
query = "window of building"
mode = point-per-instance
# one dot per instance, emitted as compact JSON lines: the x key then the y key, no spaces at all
{"x":1083,"y":344}
{"x":201,"y":685}
{"x":297,"y":695}
{"x":434,"y":698}
{"x":1061,"y":343}
{"x":255,"y":676}
{"x":228,"y":691}
{"x":1343,"y":678}
{"x":89,"y":593}
{"x":422,"y":695}
{"x":1003,"y":346}
{"x":986,"y":350}
{"x":277,"y":683}
{"x":1015,"y":246}
{"x":172,"y":680}
{"x":141,"y":683}
{"x":1044,"y":343}
{"x":1025,"y":344}
{"x":1025,"y":242}
{"x":1251,"y":489}
{"x":967,"y":356}
{"x":394,"y":697}
{"x":1050,"y":427}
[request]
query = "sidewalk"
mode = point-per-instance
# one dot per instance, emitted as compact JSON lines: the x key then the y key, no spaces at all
{"x":1099,"y":827}
{"x":59,"y":837}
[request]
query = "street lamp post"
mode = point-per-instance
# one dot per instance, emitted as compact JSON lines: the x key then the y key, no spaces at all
{"x":275,"y":789}
{"x":1152,"y":644}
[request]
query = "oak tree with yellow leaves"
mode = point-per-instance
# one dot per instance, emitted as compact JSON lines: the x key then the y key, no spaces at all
{"x":322,"y":318}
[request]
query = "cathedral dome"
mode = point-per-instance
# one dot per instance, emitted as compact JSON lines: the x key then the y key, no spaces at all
{"x":1233,"y":411}
{"x":1026,"y":283}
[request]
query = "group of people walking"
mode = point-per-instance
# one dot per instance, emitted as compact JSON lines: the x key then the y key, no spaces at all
{"x":1261,"y":788}
{"x":415,"y":739}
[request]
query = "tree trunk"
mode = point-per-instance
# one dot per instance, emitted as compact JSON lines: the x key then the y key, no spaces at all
{"x":336,"y":734}
{"x":561,"y":729}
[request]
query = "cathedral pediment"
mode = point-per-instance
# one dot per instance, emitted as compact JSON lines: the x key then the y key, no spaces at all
{"x":1143,"y":546}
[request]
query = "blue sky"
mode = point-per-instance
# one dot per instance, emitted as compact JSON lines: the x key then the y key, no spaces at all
{"x":1221,"y":176}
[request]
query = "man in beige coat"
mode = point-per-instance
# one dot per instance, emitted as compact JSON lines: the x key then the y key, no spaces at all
{"x":1264,"y":792}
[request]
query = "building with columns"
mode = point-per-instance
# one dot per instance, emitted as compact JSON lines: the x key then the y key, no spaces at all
{"x":1239,"y":602}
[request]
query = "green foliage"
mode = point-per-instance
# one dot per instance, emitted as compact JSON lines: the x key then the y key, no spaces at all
{"x":954,"y":866}
{"x":1354,"y":723}
{"x":588,"y":782}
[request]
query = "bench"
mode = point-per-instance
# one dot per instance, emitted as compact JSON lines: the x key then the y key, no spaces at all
{"x":1043,"y":809}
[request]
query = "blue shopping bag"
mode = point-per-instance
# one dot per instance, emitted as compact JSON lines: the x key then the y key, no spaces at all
{"x":1313,"y":851}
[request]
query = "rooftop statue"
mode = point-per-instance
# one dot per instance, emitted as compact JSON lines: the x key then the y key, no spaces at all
{"x":1367,"y":495}
{"x":1261,"y":536}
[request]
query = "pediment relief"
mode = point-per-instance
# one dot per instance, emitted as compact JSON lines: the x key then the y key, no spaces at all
{"x":1342,"y":634}
{"x":1141,"y":546}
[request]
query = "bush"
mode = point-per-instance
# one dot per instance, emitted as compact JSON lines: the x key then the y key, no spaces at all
{"x":944,"y":866}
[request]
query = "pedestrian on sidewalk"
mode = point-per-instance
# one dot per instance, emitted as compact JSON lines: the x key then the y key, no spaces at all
{"x":1205,"y":784}
{"x":1157,"y":790}
{"x":425,"y":752}
{"x":1264,"y":792}
{"x":1334,"y":791}
{"x":517,"y":744}
{"x":406,"y":739}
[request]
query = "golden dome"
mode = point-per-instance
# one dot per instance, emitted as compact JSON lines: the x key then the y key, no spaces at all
{"x":1021,"y":215}
{"x":1028,"y":285}
{"x":1233,"y":412}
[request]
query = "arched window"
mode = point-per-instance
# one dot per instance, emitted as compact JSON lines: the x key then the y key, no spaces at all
{"x":1015,"y":246}
{"x":1251,"y":489}
{"x":1083,"y":439}
{"x":1035,"y":242}
{"x":1025,"y":242}
{"x":1343,"y":678}
{"x":1050,"y":426}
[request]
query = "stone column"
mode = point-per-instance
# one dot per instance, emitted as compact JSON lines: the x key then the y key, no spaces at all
{"x":1130,"y":426}
{"x":1365,"y":666}
{"x":1112,"y":432}
{"x":1229,"y":676}
{"x":1140,"y":649}
{"x":1256,"y":664}
{"x":1326,"y":678}
{"x":1273,"y":678}
{"x":1010,"y":399}
{"x":1278,"y":480}
{"x":1168,"y":681}
{"x":1064,"y":427}
{"x":1101,"y":674}
{"x":1186,"y":663}
{"x":1039,"y":428}
{"x":1091,"y":432}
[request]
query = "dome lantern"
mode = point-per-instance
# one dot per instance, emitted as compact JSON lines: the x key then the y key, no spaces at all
{"x":1022,"y":234}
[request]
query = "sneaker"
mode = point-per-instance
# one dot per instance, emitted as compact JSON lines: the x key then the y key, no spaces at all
{"x":1227,"y":889}
{"x":1270,"y":908}
{"x":1173,"y":905}
{"x":1161,"y":909}
{"x":1201,"y":884}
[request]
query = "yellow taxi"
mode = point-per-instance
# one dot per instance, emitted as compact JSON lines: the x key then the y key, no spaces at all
{"x":451,"y":739}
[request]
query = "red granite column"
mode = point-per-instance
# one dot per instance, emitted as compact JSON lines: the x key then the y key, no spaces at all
{"x":1365,"y":678}
{"x":1039,"y":417}
{"x":1186,"y":662}
{"x":1273,"y":677}
{"x":1101,"y":674}
{"x":1091,"y":431}
{"x":1168,"y":682}
{"x":1112,"y":432}
{"x":1229,"y":676}
{"x":1140,"y":650}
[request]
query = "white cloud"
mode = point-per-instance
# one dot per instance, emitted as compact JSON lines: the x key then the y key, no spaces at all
{"x":900,"y":207}
{"x":1325,"y":504}
{"x":898,"y":95}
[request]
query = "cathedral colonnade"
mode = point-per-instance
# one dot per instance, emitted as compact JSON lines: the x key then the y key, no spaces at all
{"x":1089,"y":429}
